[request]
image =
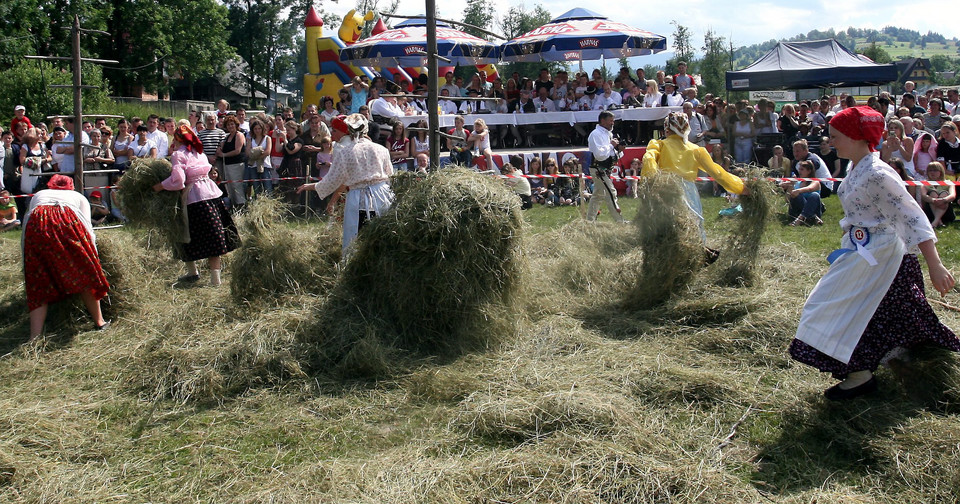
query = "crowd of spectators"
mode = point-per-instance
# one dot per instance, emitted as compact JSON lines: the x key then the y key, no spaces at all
{"x":921,"y":132}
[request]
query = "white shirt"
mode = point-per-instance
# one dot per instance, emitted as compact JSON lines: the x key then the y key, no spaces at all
{"x":674,"y":100}
{"x":599,"y":143}
{"x":651,"y":100}
{"x":874,"y":197}
{"x":586,"y":102}
{"x":356,"y":164}
{"x":608,"y":101}
{"x":822,"y":171}
{"x":382,"y":107}
{"x":159,"y":139}
{"x":58,"y":197}
{"x":545,"y":105}
{"x":447,"y":106}
{"x":696,"y":128}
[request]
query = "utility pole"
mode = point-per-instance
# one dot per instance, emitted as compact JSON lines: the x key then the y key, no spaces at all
{"x":76,"y":59}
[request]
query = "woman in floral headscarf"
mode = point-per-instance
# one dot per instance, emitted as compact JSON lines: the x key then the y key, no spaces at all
{"x":211,"y":232}
{"x":870,"y":305}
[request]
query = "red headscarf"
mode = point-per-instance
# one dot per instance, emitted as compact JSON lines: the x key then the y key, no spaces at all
{"x":860,"y":123}
{"x":339,"y":125}
{"x":62,"y":182}
{"x":188,"y":138}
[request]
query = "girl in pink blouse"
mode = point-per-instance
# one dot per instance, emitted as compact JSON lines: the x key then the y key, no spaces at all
{"x":211,"y":231}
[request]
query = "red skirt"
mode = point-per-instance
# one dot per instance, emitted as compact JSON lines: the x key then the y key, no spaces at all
{"x":59,"y":258}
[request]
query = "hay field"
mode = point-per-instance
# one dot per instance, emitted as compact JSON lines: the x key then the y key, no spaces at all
{"x":193,"y":396}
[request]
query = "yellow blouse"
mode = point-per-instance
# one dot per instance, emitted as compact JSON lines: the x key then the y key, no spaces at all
{"x":676,"y":155}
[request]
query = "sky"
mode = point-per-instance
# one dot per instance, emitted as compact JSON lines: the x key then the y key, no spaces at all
{"x":745,"y":22}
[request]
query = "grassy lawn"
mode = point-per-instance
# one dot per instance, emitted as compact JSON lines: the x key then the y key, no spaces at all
{"x":195,"y":397}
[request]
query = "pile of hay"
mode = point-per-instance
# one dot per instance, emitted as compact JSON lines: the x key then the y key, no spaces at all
{"x":279,"y":259}
{"x":669,"y":239}
{"x":146,"y":207}
{"x":738,"y":262}
{"x":438,"y":274}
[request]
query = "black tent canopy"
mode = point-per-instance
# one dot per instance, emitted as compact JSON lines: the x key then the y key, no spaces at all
{"x":810,"y":64}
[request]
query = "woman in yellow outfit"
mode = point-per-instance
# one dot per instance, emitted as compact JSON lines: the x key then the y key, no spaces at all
{"x":674,"y":154}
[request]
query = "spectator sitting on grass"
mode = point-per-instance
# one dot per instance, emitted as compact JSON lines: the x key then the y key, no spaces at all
{"x":8,"y":212}
{"x":519,"y":184}
{"x":98,"y":210}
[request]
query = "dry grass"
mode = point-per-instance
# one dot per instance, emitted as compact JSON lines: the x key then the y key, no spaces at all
{"x":193,"y":396}
{"x":276,"y":259}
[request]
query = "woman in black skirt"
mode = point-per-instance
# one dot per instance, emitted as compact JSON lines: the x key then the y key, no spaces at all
{"x":211,"y":229}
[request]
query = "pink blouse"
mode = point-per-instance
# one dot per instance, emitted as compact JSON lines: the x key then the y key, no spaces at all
{"x":191,"y":169}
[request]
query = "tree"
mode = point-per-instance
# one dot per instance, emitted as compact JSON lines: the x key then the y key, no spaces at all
{"x":478,"y":13}
{"x":26,"y":84}
{"x":194,"y":53}
{"x":876,"y":53}
{"x":714,"y":64}
{"x":683,"y":48}
{"x":517,"y":21}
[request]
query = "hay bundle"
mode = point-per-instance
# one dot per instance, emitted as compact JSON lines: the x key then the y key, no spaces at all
{"x":146,"y":207}
{"x":739,"y":259}
{"x":277,"y":259}
{"x":437,"y":274}
{"x":669,"y":239}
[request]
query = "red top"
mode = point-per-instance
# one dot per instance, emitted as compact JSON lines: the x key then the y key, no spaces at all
{"x":16,"y":120}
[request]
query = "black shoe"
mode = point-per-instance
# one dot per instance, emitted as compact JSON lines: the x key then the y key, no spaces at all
{"x":104,"y":326}
{"x":186,"y":281}
{"x":710,"y":256}
{"x":835,"y":393}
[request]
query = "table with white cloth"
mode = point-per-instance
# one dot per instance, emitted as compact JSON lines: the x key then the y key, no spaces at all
{"x":534,"y":118}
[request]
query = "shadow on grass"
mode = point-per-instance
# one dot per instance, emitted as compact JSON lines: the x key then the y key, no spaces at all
{"x":822,"y":442}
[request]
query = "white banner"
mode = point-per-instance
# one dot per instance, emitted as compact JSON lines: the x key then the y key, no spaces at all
{"x":788,"y":96}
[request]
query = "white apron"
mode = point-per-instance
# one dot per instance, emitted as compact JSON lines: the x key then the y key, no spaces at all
{"x":845,"y":299}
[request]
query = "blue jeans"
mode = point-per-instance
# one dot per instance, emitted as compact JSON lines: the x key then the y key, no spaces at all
{"x":806,"y":204}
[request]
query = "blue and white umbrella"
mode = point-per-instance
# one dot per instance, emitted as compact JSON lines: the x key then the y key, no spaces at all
{"x":581,"y":34}
{"x":405,"y":46}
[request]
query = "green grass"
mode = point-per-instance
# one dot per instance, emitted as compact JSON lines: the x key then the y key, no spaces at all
{"x":898,"y":50}
{"x":591,"y":402}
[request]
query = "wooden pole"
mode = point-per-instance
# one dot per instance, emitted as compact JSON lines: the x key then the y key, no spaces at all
{"x":77,"y":107}
{"x":433,"y":120}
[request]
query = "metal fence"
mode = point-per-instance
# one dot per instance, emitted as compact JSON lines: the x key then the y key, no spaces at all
{"x":169,"y":108}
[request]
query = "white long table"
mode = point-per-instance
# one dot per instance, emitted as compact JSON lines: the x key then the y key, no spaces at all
{"x":573,"y":117}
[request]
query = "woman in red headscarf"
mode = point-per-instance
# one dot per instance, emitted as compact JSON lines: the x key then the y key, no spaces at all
{"x":870,"y":306}
{"x":211,"y":231}
{"x":60,"y":253}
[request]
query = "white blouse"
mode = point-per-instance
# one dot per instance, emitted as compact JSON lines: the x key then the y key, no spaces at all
{"x":874,"y":197}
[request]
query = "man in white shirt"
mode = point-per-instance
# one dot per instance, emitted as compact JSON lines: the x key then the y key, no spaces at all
{"x":670,"y":97}
{"x":543,"y":103}
{"x":588,"y":100}
{"x":385,"y":108}
{"x":801,"y":152}
{"x":608,"y":99}
{"x":604,"y":150}
{"x":158,"y":136}
{"x":952,"y":104}
{"x":697,"y":125}
{"x":452,"y":89}
{"x":447,"y":106}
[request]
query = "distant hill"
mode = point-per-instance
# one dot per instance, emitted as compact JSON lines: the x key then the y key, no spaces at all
{"x":899,"y":43}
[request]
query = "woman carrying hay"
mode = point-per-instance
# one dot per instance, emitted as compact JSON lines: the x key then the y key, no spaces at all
{"x":60,"y":254}
{"x":675,"y":154}
{"x":363,"y":166}
{"x":211,"y":232}
{"x":870,"y":305}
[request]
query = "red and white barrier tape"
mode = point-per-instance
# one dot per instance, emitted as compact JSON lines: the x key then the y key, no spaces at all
{"x":587,"y":177}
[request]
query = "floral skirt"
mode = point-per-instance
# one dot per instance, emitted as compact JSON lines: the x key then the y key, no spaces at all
{"x":212,"y":231}
{"x":59,"y":258}
{"x":903,"y":319}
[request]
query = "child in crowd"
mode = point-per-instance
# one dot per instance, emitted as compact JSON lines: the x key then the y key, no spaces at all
{"x":8,"y":212}
{"x":98,"y":210}
{"x":632,"y":171}
{"x":519,"y":184}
